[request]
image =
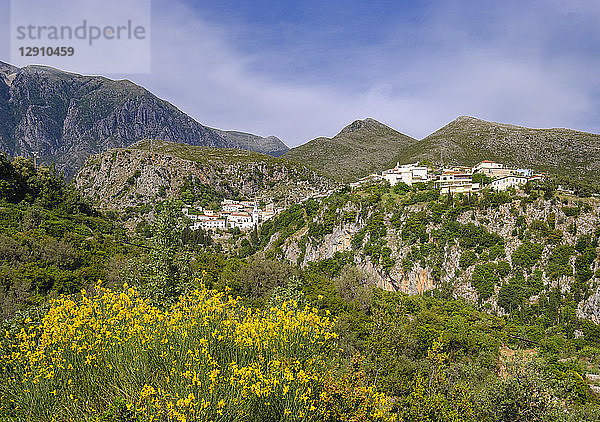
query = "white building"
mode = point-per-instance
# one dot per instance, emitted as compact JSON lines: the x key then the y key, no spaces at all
{"x":265,"y":215}
{"x":407,"y":173}
{"x":503,"y":183}
{"x":525,"y":172}
{"x":204,"y":217}
{"x":217,"y":223}
{"x":456,"y":182}
{"x":489,"y":168}
{"x":243,"y":220}
{"x":232,"y":207}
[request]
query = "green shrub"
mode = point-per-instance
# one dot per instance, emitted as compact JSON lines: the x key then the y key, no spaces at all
{"x":484,"y":280}
{"x":527,"y":255}
{"x":467,"y":259}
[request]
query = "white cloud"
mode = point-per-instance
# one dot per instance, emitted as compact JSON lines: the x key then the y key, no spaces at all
{"x":508,"y":75}
{"x":504,"y":67}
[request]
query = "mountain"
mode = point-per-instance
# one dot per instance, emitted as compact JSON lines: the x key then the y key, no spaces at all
{"x":150,"y":171}
{"x":270,"y":145}
{"x":64,"y":117}
{"x":468,"y":140}
{"x":367,"y":146}
{"x":363,"y":147}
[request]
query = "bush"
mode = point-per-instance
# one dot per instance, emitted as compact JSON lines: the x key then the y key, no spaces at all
{"x":484,"y":280}
{"x":467,"y":259}
{"x":558,"y":262}
{"x":527,"y":255}
{"x":206,"y":358}
{"x":571,"y":211}
{"x":511,"y":295}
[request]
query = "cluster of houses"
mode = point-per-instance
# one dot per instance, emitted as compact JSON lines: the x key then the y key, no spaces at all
{"x":457,"y":179}
{"x":244,"y":215}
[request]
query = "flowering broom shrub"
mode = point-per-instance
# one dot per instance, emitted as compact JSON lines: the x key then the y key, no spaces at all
{"x":113,"y":356}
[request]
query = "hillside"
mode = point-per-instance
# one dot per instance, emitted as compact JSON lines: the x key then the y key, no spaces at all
{"x":361,"y":148}
{"x":500,"y":331}
{"x":270,"y":145}
{"x":64,"y":117}
{"x":51,"y":239}
{"x":368,"y":146}
{"x":468,"y":140}
{"x":505,"y":252}
{"x":128,"y":177}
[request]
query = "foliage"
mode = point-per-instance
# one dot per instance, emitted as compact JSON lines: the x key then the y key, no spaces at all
{"x":206,"y":357}
{"x":484,"y":280}
{"x":527,"y":255}
{"x":467,"y":259}
{"x":558,"y":262}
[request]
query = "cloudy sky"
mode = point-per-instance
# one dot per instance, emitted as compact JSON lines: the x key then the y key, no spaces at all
{"x":299,"y":70}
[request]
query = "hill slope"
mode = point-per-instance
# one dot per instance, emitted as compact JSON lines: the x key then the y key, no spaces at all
{"x":65,"y":117}
{"x":270,"y":145}
{"x":468,"y":140}
{"x":361,"y":148}
{"x":368,"y":146}
{"x":125,"y":177}
{"x":507,"y":251}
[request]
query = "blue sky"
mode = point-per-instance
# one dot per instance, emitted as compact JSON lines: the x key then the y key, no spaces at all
{"x":299,"y":70}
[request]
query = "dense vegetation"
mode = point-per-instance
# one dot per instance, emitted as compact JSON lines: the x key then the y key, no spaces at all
{"x":51,"y":240}
{"x":199,"y":333}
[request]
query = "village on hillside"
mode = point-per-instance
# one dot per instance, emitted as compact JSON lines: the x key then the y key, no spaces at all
{"x":243,"y":215}
{"x":457,"y":179}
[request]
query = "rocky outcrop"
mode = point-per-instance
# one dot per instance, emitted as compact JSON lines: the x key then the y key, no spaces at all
{"x":270,"y":145}
{"x":128,"y":177}
{"x":421,"y":276}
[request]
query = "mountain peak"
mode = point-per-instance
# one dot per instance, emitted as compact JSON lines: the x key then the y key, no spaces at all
{"x":7,"y":73}
{"x":8,"y":68}
{"x":466,"y":119}
{"x":368,"y":123}
{"x":361,"y":148}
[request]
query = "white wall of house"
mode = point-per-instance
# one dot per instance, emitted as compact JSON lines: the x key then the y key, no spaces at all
{"x":504,"y":183}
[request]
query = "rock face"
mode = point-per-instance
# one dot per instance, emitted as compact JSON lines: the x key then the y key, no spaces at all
{"x":128,"y":177}
{"x":65,"y":117}
{"x":419,"y":267}
{"x":270,"y":145}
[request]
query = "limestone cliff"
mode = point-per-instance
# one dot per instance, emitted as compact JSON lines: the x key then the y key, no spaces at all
{"x":127,"y":177}
{"x":415,"y":267}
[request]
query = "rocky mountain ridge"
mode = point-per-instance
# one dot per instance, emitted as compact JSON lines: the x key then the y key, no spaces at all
{"x":64,"y":117}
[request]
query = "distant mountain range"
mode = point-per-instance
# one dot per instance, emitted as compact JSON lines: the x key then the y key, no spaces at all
{"x":64,"y":117}
{"x":367,"y":146}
